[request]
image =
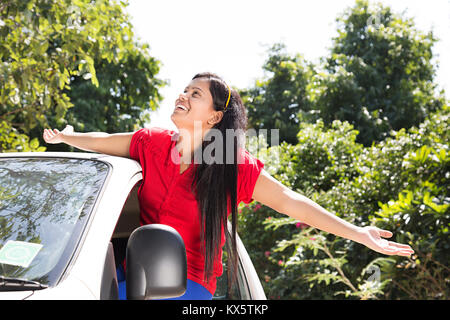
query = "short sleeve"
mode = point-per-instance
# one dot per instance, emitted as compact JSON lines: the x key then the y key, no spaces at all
{"x":249,"y":169}
{"x":146,"y":138}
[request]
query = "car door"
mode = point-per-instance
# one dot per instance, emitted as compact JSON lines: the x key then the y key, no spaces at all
{"x":247,"y":285}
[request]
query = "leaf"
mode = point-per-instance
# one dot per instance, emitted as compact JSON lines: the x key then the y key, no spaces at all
{"x":34,"y":143}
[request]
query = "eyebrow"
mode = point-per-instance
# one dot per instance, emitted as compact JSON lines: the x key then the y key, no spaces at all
{"x":194,"y":88}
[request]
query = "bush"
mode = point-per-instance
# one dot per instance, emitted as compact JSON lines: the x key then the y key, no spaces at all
{"x":420,"y":215}
{"x":400,"y":184}
{"x":320,"y":160}
{"x":13,"y":141}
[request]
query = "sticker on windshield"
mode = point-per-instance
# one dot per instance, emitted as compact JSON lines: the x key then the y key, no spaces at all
{"x":19,"y":253}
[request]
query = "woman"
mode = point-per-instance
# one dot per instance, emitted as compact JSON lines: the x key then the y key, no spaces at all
{"x":193,"y":182}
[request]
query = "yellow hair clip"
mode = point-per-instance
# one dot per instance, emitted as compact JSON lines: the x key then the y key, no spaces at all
{"x":228,"y":100}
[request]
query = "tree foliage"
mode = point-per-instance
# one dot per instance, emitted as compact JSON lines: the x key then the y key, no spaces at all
{"x":49,"y":47}
{"x":274,"y":101}
{"x":372,"y":148}
{"x":12,"y":141}
{"x":127,"y":91}
{"x":379,"y":74}
{"x":400,"y":184}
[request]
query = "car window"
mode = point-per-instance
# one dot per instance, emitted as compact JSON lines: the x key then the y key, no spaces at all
{"x":44,"y":206}
{"x":222,"y":290}
{"x":239,"y":288}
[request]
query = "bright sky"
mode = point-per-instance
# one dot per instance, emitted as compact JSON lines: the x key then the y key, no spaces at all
{"x":231,"y":37}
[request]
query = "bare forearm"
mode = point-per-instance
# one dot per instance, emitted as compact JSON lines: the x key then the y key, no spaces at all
{"x":84,"y":141}
{"x":301,"y":208}
{"x":101,"y":142}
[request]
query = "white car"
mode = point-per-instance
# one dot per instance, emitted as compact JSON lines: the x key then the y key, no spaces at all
{"x":65,"y":222}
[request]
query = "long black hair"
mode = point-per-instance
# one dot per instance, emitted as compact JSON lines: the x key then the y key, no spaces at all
{"x":215,"y":184}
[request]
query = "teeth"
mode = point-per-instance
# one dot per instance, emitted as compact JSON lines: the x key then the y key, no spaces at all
{"x":182,"y":107}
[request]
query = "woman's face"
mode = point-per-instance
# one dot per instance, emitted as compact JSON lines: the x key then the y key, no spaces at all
{"x":195,"y":105}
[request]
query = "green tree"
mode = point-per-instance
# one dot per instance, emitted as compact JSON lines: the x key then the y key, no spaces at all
{"x":379,"y":75}
{"x":127,"y":91}
{"x":274,"y":101}
{"x":12,"y":141}
{"x":46,"y":45}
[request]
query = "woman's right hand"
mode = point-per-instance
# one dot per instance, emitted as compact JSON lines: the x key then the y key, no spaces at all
{"x":56,"y":136}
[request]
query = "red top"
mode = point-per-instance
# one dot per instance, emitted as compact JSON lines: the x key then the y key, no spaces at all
{"x":165,"y":196}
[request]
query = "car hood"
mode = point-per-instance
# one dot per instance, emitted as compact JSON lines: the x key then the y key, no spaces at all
{"x":15,"y":295}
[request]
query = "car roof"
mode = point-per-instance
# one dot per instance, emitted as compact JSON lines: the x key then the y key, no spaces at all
{"x":115,"y":161}
{"x":80,"y":155}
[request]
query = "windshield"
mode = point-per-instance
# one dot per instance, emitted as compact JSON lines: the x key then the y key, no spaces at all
{"x":44,"y":206}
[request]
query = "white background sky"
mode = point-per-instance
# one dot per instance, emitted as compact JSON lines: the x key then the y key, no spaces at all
{"x":231,"y":37}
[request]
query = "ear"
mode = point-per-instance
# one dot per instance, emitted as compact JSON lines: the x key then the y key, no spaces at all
{"x":215,"y":118}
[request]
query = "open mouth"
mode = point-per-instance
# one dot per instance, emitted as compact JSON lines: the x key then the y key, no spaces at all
{"x":181,"y":107}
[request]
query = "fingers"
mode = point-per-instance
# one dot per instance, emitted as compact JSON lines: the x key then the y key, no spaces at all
{"x":400,"y":246}
{"x":396,"y":252}
{"x":49,"y":134}
{"x":390,"y":247}
{"x":398,"y":249}
{"x":46,"y":135}
{"x":403,"y":249}
{"x":377,"y":243}
{"x":404,"y":253}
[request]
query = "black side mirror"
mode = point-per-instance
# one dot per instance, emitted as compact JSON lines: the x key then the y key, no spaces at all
{"x":156,"y":265}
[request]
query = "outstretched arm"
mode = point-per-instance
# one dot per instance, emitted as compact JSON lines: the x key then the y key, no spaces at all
{"x":275,"y":195}
{"x":116,"y":144}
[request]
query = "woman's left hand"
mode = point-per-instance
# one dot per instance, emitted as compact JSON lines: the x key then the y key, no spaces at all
{"x":371,"y":237}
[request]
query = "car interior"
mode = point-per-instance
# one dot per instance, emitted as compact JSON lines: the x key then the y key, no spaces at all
{"x":129,"y":220}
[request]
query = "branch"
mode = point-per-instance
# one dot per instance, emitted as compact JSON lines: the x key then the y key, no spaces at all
{"x":406,"y":290}
{"x":336,"y":265}
{"x":427,"y":272}
{"x":12,"y":112}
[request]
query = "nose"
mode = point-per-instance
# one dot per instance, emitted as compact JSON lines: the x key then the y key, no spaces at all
{"x":182,"y":96}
